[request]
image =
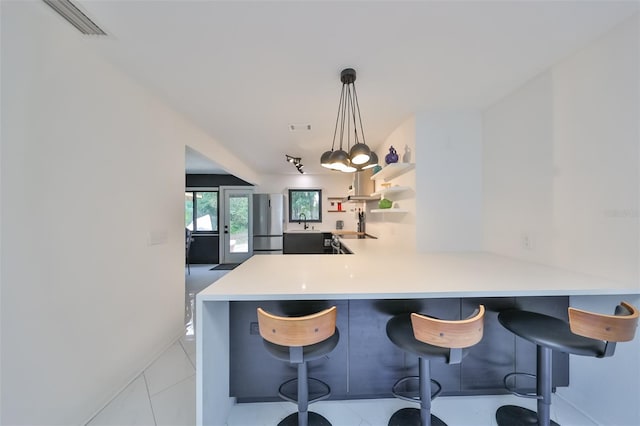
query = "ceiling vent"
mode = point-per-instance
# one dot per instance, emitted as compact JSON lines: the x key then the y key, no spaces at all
{"x":75,"y":16}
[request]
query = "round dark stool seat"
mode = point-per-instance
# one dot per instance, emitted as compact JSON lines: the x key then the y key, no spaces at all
{"x":551,"y":332}
{"x":430,"y":339}
{"x":586,"y":334}
{"x":298,"y":340}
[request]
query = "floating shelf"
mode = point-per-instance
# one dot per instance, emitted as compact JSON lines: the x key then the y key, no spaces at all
{"x":390,"y":190}
{"x":391,"y":210}
{"x":393,"y":170}
{"x":336,"y":211}
{"x":342,"y":199}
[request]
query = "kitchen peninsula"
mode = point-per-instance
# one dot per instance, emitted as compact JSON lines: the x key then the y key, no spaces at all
{"x":372,"y":274}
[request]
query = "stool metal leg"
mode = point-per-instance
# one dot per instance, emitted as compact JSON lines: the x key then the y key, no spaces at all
{"x":543,"y":384}
{"x":303,"y":417}
{"x":303,"y":395}
{"x":423,"y":416}
{"x":512,"y":415}
{"x":425,"y":392}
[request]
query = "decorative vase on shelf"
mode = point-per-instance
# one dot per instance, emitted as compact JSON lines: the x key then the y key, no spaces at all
{"x":406,"y":158}
{"x":385,"y":204}
{"x":392,"y":156}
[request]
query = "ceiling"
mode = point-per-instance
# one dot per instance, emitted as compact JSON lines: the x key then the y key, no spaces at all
{"x":244,"y":71}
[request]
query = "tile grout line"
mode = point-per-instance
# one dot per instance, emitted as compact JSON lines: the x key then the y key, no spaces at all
{"x":181,"y":381}
{"x":186,"y":353}
{"x":192,"y":373}
{"x":153,"y":413}
{"x":572,"y":405}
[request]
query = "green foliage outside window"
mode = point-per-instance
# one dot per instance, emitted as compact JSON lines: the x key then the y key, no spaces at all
{"x":305,"y":202}
{"x":238,"y":215}
{"x":201,"y":210}
{"x":188,"y":210}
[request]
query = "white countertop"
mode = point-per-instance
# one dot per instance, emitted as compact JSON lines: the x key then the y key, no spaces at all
{"x":373,"y":273}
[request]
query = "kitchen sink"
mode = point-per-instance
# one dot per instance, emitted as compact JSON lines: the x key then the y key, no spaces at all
{"x":356,"y":237}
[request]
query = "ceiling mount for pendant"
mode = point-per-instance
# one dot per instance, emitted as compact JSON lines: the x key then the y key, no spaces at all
{"x":359,"y":156}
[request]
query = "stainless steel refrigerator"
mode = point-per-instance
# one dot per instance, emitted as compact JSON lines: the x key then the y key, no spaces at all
{"x":268,"y":223}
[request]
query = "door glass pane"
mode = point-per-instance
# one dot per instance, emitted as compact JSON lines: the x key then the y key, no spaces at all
{"x":206,"y":211}
{"x":239,"y":224}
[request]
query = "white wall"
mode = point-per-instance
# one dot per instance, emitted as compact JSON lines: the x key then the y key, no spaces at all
{"x":561,"y":163}
{"x":333,"y":185}
{"x":92,"y":222}
{"x":518,"y":172}
{"x":445,"y":203}
{"x":596,"y":104}
{"x":449,"y":181}
{"x":398,"y":230}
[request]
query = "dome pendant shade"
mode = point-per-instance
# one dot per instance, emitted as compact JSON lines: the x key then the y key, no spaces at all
{"x":359,"y":153}
{"x":324,"y":159}
{"x":339,"y":160}
{"x":373,"y":161}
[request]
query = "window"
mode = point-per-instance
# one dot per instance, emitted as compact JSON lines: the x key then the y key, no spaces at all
{"x":305,"y":204}
{"x":201,"y":210}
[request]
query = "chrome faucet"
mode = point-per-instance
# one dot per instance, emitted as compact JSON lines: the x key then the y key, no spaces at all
{"x":306,"y":226}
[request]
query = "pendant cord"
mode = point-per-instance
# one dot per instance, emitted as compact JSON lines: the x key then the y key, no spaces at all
{"x":355,"y":94}
{"x":343,"y":112}
{"x":335,"y":131}
{"x":353,"y":115}
{"x":348,"y":116}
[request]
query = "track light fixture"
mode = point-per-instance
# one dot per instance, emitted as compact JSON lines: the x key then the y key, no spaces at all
{"x":296,"y":161}
{"x":359,"y":156}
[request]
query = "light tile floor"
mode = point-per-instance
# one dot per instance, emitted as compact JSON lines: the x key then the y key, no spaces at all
{"x":164,"y":394}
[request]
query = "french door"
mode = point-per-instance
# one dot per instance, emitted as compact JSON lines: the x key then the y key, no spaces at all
{"x":236,"y":235}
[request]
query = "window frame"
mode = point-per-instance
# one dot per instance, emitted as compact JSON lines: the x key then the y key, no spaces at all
{"x":296,"y":190}
{"x":193,"y":191}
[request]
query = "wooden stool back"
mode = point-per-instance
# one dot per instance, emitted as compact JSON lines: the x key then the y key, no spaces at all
{"x":449,"y":334}
{"x":611,"y":328}
{"x":297,"y":331}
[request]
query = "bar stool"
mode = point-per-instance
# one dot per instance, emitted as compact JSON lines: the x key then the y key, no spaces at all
{"x":430,"y":339}
{"x":586,"y":334}
{"x":298,"y":340}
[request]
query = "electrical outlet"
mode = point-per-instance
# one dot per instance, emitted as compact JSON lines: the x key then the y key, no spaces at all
{"x":254,"y":329}
{"x":527,"y":242}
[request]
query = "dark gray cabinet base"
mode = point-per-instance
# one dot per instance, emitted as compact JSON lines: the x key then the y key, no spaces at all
{"x":365,"y":364}
{"x":306,"y":243}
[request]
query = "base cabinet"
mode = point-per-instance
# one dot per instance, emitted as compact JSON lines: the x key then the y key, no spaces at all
{"x":365,"y":364}
{"x":306,"y":243}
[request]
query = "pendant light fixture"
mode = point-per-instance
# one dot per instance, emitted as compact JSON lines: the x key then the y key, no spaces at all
{"x":359,"y":156}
